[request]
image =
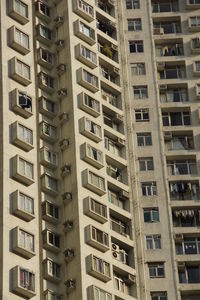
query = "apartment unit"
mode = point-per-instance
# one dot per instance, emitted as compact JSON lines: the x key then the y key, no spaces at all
{"x":100,"y":150}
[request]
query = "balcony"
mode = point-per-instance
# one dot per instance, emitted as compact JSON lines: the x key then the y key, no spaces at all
{"x":189,"y":273}
{"x":182,"y":167}
{"x":166,"y":27}
{"x":176,"y":118}
{"x":189,"y":246}
{"x":108,"y":49}
{"x":186,"y":218}
{"x":120,"y":227}
{"x":179,"y":142}
{"x":184,"y":191}
{"x":193,"y":4}
{"x":195,"y":45}
{"x":106,"y":6}
{"x":110,"y":73}
{"x":164,"y":6}
{"x":117,"y":173}
{"x":107,"y":27}
{"x":115,"y":121}
{"x":169,"y":49}
{"x":111,"y":99}
{"x":113,"y":147}
{"x":167,"y":71}
{"x":84,"y":10}
{"x":172,"y":93}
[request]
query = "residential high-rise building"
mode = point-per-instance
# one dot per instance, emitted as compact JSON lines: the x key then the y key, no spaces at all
{"x":99,"y":145}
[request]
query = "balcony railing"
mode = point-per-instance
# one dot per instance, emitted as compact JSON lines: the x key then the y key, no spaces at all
{"x":111,"y":146}
{"x":106,"y":74}
{"x":168,"y":6}
{"x":189,"y":275}
{"x":182,"y":168}
{"x":172,"y":73}
{"x":119,"y":227}
{"x":167,"y":28}
{"x":173,"y":95}
{"x":114,"y":173}
{"x":186,"y":218}
{"x":184,"y":191}
{"x":169,"y":50}
{"x":107,"y":28}
{"x":105,"y":7}
{"x":180,"y":143}
{"x":188,"y":247}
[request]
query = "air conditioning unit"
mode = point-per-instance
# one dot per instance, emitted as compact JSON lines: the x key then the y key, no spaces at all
{"x":131,"y":279}
{"x":115,"y":255}
{"x":158,"y":31}
{"x":60,"y":44}
{"x":62,"y":92}
{"x":167,"y":135}
{"x":119,"y":118}
{"x":64,"y":117}
{"x":160,"y":66}
{"x":68,"y":225}
{"x":121,"y":142}
{"x":66,"y":170}
{"x":115,"y":248}
{"x":61,"y":68}
{"x":114,"y":47}
{"x":70,"y":284}
{"x":69,"y":254}
{"x":116,"y":70}
{"x":123,"y":195}
{"x":59,"y":20}
{"x":64,"y":144}
{"x":105,"y":97}
{"x":178,"y":237}
{"x":67,"y":196}
{"x":163,"y":87}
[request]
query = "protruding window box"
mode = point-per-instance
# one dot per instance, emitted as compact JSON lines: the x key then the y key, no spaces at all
{"x":22,"y":136}
{"x":195,"y":45}
{"x":94,"y":182}
{"x":94,"y":290}
{"x":22,"y":170}
{"x":43,"y":11}
{"x":47,"y":107}
{"x":194,"y":5}
{"x":45,"y":58}
{"x":84,"y":10}
{"x":23,"y":282}
{"x":20,"y":71}
{"x":97,"y":238}
{"x":90,"y":129}
{"x":194,"y":24}
{"x":23,"y":206}
{"x":88,"y":80}
{"x":44,"y":34}
{"x":89,"y":104}
{"x":84,"y":32}
{"x":18,"y":10}
{"x":49,"y":184}
{"x":98,"y":268}
{"x":197,"y":89}
{"x":50,"y":212}
{"x":52,"y":271}
{"x":21,"y":103}
{"x":51,"y":241}
{"x":95,"y":210}
{"x":48,"y":158}
{"x":48,"y":132}
{"x":196,"y":68}
{"x":23,"y":242}
{"x":86,"y":56}
{"x":92,"y":155}
{"x":49,"y":295}
{"x":46,"y":82}
{"x":19,"y":40}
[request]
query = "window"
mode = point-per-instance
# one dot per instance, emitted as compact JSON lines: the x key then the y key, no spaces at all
{"x":84,"y":6}
{"x":153,"y":242}
{"x":45,"y":32}
{"x":158,"y":295}
{"x":156,"y":270}
{"x":23,"y":69}
{"x":43,"y":8}
{"x":100,"y":236}
{"x":21,"y":8}
{"x":98,"y":208}
{"x":46,"y":56}
{"x":25,"y":134}
{"x":50,"y":209}
{"x":49,"y":295}
{"x":146,"y":164}
{"x":151,"y":215}
{"x":90,"y":78}
{"x":25,"y":101}
{"x":27,"y":279}
{"x":94,"y":153}
{"x":134,"y":25}
{"x":99,"y":294}
{"x":25,"y":168}
{"x":197,"y":66}
{"x":91,"y":102}
{"x":26,"y":203}
{"x":53,"y":268}
{"x":21,"y":38}
{"x":97,"y":180}
{"x":50,"y":183}
{"x":93,"y":127}
{"x":138,"y":69}
{"x":144,"y":139}
{"x":194,"y":21}
{"x":51,"y":238}
{"x":86,"y":30}
{"x":88,"y":54}
{"x":114,"y":198}
{"x":132,"y":4}
{"x":142,"y":115}
{"x":46,"y":80}
{"x":140,"y":92}
{"x":26,"y":240}
{"x":149,"y":188}
{"x":100,"y":266}
{"x":49,"y":156}
{"x":48,"y":130}
{"x":136,"y":46}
